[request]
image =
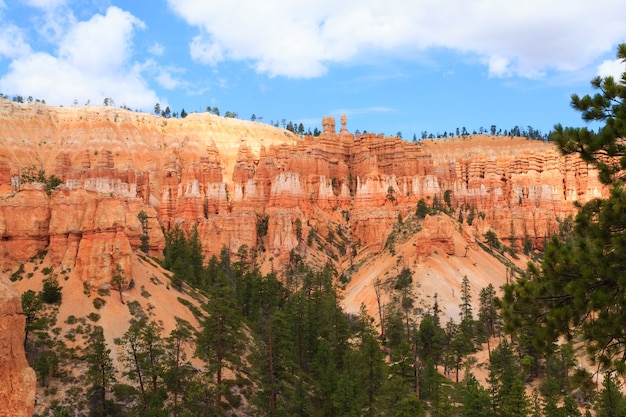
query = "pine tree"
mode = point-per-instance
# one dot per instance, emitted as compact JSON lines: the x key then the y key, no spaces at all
{"x":507,"y":390}
{"x":31,"y":308}
{"x":178,"y":372}
{"x":220,"y":341}
{"x":610,"y":401}
{"x":142,"y":216}
{"x":118,"y":281}
{"x":100,"y":373}
{"x":476,"y":401}
{"x":579,"y":283}
{"x":487,"y":313}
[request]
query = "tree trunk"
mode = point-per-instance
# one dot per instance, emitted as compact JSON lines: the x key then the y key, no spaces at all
{"x":177,"y":377}
{"x":139,"y":376}
{"x":272,"y":387}
{"x":218,"y":390}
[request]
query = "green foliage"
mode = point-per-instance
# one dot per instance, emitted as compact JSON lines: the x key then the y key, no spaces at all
{"x":422,"y":209}
{"x":46,"y":366}
{"x":31,"y":174}
{"x":98,"y":303}
{"x":142,"y":216}
{"x":505,"y":384}
{"x":17,"y":275}
{"x":143,"y":355}
{"x":183,"y":256}
{"x":31,"y":308}
{"x":220,"y":340}
{"x":298,"y":229}
{"x":447,"y":199}
{"x":471,"y":215}
{"x":100,"y":372}
{"x":488,"y":314}
{"x":119,"y":281}
{"x":610,"y":401}
{"x":51,"y":291}
{"x":475,"y":401}
{"x":492,"y":239}
{"x":578,"y":286}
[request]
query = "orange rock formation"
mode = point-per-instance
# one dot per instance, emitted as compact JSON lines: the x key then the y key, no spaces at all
{"x":17,"y":387}
{"x":222,"y":175}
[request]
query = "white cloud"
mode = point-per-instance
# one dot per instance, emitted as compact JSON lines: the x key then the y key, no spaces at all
{"x":93,"y":62}
{"x":156,"y":49}
{"x":300,"y":38}
{"x":101,"y":44}
{"x":498,"y":66}
{"x":205,"y":51}
{"x":12,"y":42}
{"x":167,"y":80}
{"x":46,"y":4}
{"x":614,"y":68}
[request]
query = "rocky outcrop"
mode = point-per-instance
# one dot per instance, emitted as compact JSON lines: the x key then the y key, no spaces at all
{"x":17,"y":379}
{"x":224,"y":175}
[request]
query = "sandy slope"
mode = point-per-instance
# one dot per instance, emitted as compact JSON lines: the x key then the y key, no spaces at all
{"x":437,"y":273}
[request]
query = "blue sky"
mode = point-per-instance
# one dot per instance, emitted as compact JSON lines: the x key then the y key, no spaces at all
{"x":392,"y":66}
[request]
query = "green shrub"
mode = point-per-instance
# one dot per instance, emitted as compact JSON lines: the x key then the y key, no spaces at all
{"x":98,"y":303}
{"x":51,"y":292}
{"x":17,"y":275}
{"x":86,"y":289}
{"x":103,"y":292}
{"x":94,"y":317}
{"x":144,"y":293}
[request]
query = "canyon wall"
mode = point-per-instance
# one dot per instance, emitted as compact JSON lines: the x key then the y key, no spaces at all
{"x":17,"y":389}
{"x":224,"y":176}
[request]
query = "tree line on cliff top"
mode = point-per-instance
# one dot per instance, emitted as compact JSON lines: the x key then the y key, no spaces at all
{"x":299,"y":128}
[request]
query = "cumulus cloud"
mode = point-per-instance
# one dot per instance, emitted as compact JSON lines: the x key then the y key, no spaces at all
{"x":302,"y":38}
{"x":612,"y":68}
{"x":167,"y":79}
{"x":156,"y":49}
{"x":93,"y":61}
{"x":12,"y":42}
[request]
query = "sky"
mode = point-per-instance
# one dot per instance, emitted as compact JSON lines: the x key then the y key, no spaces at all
{"x":407,"y":66}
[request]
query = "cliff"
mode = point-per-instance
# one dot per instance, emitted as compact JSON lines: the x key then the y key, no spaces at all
{"x":17,"y":390}
{"x":224,"y":175}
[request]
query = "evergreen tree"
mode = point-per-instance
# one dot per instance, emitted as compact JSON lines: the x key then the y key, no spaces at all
{"x":579,"y":283}
{"x":476,"y":401}
{"x":422,"y":209}
{"x":132,"y":356}
{"x":145,"y":239}
{"x":51,"y":291}
{"x":220,"y":341}
{"x":178,"y":372}
{"x":610,"y":401}
{"x":183,"y":256}
{"x":31,"y":308}
{"x":487,"y":312}
{"x":507,"y":390}
{"x":100,"y":373}
{"x":118,"y":281}
{"x":370,"y":359}
{"x":431,"y":339}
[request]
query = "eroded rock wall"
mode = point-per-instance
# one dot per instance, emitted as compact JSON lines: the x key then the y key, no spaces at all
{"x":223,"y":175}
{"x":17,"y":379}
